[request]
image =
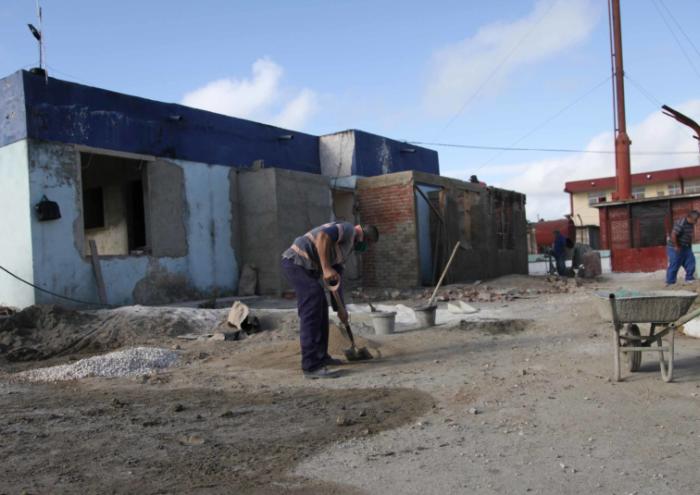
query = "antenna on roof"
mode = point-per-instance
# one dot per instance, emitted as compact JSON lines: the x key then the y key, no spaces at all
{"x":39,"y":35}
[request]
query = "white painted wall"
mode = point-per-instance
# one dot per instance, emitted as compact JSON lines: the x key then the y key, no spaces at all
{"x":211,"y":259}
{"x":337,"y":154}
{"x":54,"y":171}
{"x":59,"y":264}
{"x":16,"y":240}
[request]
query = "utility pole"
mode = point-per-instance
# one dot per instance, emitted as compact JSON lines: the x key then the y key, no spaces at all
{"x":622,"y":141}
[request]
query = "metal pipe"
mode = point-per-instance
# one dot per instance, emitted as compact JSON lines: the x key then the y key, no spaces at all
{"x":686,"y":318}
{"x":623,"y":172}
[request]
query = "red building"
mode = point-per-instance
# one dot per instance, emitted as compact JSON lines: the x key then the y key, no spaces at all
{"x":636,"y":231}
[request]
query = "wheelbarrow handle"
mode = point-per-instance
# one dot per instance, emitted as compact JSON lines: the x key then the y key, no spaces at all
{"x":687,"y":317}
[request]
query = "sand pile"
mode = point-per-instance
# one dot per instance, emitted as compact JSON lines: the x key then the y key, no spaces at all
{"x":133,"y":361}
{"x":40,"y":332}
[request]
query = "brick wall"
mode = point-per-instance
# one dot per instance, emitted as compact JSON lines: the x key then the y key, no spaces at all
{"x":393,"y":261}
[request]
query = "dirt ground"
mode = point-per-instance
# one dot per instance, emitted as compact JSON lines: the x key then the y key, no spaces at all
{"x":520,"y":401}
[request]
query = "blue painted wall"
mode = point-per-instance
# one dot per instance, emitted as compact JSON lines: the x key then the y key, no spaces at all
{"x":67,"y":112}
{"x":377,"y":155}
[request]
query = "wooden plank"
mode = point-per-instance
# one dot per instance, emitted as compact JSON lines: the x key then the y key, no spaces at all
{"x":97,"y":269}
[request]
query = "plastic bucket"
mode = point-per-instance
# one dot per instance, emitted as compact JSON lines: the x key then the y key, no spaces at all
{"x":383,"y":322}
{"x":425,"y":316}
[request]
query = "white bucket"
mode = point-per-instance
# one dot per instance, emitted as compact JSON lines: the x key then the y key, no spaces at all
{"x":383,"y":322}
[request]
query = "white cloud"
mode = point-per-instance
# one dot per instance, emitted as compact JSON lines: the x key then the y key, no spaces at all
{"x":458,"y":71}
{"x":260,"y":97}
{"x":543,"y":181}
{"x":296,"y":112}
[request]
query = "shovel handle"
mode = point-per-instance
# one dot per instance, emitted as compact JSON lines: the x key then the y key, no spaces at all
{"x":340,"y":304}
{"x":444,"y":272}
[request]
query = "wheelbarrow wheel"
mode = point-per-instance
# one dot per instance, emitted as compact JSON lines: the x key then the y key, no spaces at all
{"x":633,"y":360}
{"x":666,"y":366}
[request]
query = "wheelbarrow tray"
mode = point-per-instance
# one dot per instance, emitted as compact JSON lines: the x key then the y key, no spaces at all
{"x":662,"y":309}
{"x":658,"y":306}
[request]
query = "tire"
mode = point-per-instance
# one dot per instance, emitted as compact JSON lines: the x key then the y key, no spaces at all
{"x":633,"y":360}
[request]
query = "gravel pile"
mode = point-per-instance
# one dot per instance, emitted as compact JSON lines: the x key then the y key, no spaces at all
{"x":134,"y":361}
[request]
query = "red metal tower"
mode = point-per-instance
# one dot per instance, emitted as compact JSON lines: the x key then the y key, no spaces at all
{"x":622,"y":140}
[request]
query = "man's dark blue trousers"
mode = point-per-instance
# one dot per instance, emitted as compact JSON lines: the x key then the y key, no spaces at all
{"x":313,"y":314}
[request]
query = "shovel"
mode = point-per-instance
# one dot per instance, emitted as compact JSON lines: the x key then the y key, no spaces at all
{"x":354,"y":353}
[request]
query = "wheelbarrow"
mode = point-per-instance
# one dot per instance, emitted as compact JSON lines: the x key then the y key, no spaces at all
{"x":663,"y":310}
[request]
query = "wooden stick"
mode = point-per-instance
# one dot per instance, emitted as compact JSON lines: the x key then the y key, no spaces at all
{"x":444,"y":272}
{"x":95,"y":258}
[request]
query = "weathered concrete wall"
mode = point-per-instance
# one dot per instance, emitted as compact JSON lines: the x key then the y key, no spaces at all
{"x":257,"y":201}
{"x":489,"y":220}
{"x":167,"y":209}
{"x":13,"y":112}
{"x":304,"y":201}
{"x":276,"y":206}
{"x":16,"y":241}
{"x":207,"y":264}
{"x":354,"y":152}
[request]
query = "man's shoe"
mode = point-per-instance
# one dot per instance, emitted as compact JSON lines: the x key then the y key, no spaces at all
{"x":331,"y":361}
{"x":320,"y":373}
{"x":689,"y":282}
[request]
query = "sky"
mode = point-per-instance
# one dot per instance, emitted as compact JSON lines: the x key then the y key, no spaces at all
{"x":498,"y":73}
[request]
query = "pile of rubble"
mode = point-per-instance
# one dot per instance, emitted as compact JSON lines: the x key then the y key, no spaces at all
{"x":468,"y":293}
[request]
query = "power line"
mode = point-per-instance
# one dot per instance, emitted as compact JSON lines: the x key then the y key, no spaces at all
{"x":498,"y":67}
{"x":547,"y":150}
{"x":678,"y":42}
{"x":680,"y":28}
{"x":51,"y":293}
{"x":546,"y":121}
{"x":647,"y":94}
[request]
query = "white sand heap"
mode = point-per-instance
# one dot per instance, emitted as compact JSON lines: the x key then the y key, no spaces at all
{"x":133,"y":361}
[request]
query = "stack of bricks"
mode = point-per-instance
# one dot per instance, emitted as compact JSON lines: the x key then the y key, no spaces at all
{"x":393,"y":261}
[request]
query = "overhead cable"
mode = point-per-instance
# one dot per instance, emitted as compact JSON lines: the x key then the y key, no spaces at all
{"x":546,"y":121}
{"x":678,"y":42}
{"x":680,"y":28}
{"x":498,"y":67}
{"x":547,"y":150}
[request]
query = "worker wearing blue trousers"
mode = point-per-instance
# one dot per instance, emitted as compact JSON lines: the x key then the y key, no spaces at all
{"x":313,"y":261}
{"x":680,"y":249}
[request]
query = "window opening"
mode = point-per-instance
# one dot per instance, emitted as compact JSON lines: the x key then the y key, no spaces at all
{"x":692,"y":187}
{"x":638,"y":192}
{"x":114,"y":204}
{"x":596,"y":197}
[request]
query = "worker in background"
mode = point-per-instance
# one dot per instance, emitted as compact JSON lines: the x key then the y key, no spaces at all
{"x":312,"y":261}
{"x":559,"y":252}
{"x":680,"y":249}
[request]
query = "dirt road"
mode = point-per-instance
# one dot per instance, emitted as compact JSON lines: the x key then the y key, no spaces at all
{"x":471,"y":408}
